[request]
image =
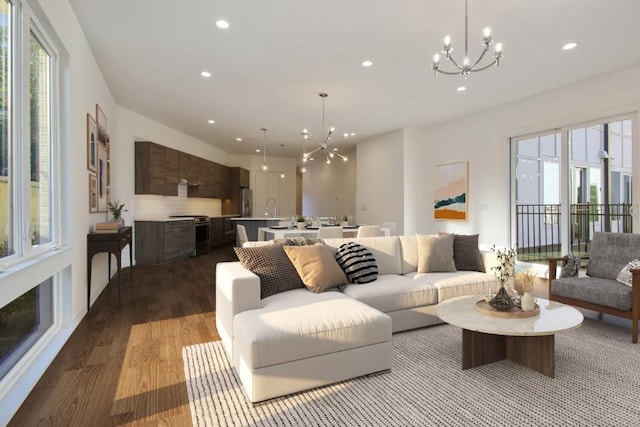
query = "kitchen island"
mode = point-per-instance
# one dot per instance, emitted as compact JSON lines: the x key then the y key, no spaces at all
{"x":252,"y":224}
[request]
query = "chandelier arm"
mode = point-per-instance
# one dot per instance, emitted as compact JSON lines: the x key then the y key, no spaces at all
{"x":491,"y":64}
{"x":450,"y":58}
{"x":326,"y":155}
{"x":314,"y":151}
{"x":450,"y":73}
{"x":340,"y":155}
{"x":486,"y":49}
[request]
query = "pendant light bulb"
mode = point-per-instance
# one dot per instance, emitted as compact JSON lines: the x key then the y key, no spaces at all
{"x":264,"y":149}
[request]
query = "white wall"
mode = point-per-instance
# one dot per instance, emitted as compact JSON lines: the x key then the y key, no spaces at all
{"x":483,"y":140}
{"x":269,"y":184}
{"x":330,"y":189}
{"x":379,"y":193}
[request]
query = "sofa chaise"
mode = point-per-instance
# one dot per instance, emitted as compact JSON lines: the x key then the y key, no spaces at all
{"x":297,"y":340}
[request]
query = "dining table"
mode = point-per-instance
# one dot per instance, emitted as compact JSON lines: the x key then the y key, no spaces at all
{"x":282,"y":232}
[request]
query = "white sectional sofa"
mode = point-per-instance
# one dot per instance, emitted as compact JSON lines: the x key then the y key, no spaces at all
{"x":297,"y":340}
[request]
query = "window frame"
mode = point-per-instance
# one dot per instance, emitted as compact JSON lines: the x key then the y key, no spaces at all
{"x":25,"y":23}
{"x":565,"y":170}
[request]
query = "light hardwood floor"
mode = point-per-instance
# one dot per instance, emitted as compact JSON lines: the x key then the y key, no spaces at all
{"x":123,"y":366}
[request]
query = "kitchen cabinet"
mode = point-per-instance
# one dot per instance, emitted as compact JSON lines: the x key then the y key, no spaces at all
{"x":155,"y":169}
{"x":170,"y":172}
{"x":238,"y":179}
{"x":183,"y":167}
{"x":159,"y":170}
{"x":158,"y":242}
{"x":222,"y":231}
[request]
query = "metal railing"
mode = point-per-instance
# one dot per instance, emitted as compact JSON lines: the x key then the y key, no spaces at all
{"x":538,"y":227}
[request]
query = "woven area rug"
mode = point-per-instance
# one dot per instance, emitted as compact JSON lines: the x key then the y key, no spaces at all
{"x":597,"y":383}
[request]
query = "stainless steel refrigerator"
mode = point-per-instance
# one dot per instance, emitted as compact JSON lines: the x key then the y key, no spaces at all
{"x":247,"y":202}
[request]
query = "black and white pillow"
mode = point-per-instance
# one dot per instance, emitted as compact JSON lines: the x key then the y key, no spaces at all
{"x":571,"y":266}
{"x":357,"y":262}
{"x":625,"y":277}
{"x":272,"y":265}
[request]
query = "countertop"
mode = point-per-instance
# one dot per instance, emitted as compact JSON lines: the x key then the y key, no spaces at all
{"x":163,"y":219}
{"x":187,"y":218}
{"x":260,"y":218}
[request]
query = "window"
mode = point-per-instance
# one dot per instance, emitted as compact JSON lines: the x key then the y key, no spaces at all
{"x":29,"y":194}
{"x":27,"y":159}
{"x":598,"y":179}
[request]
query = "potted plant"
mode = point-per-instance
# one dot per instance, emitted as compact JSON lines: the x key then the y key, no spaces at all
{"x":503,"y":271}
{"x":116,"y":208}
{"x":301,"y":222}
{"x":345,"y":220}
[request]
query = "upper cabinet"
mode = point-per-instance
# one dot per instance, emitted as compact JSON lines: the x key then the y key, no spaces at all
{"x":160,"y":169}
{"x":151,"y":170}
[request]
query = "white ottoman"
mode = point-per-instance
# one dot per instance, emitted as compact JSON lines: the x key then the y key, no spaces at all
{"x":300,"y":340}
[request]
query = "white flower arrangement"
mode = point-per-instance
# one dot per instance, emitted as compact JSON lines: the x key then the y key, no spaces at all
{"x":506,"y":263}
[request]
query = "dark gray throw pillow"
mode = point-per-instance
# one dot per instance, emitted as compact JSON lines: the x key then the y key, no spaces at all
{"x":357,"y":262}
{"x":466,"y":254}
{"x":272,"y":265}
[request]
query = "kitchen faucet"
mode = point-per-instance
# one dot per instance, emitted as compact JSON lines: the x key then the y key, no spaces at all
{"x":275,"y":206}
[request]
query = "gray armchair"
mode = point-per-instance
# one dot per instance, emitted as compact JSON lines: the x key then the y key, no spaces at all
{"x":599,"y":291}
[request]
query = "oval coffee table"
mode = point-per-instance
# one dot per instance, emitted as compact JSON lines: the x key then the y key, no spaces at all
{"x":527,"y":341}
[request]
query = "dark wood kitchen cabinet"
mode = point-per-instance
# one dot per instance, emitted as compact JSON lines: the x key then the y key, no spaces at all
{"x":157,"y":242}
{"x":159,"y":170}
{"x":153,"y":175}
{"x":222,"y":231}
{"x":238,"y":179}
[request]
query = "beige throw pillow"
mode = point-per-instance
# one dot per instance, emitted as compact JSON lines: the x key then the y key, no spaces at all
{"x":316,"y":267}
{"x":435,"y":253}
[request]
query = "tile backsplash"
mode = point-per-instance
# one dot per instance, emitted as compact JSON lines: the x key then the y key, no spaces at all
{"x":150,"y":206}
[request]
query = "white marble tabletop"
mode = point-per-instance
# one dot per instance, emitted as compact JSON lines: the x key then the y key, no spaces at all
{"x":553,"y":317}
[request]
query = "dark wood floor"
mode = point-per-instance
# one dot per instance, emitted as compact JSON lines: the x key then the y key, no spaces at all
{"x":123,"y":366}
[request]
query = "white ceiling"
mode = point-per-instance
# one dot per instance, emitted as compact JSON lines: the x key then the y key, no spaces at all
{"x":269,"y":67}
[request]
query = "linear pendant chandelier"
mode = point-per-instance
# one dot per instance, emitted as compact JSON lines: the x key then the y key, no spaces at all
{"x":324,"y":147}
{"x":467,"y":67}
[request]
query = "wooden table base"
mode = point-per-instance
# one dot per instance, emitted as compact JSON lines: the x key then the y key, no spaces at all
{"x":534,"y":352}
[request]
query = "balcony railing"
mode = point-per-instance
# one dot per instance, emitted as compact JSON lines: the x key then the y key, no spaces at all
{"x":539,"y":227}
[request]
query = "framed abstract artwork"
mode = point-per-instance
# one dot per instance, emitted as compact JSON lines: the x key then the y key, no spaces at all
{"x":93,"y":193}
{"x":92,"y":139}
{"x":101,"y":121}
{"x":450,"y":184}
{"x":102,"y":178}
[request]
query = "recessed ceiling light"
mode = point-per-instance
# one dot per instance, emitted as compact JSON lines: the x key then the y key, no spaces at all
{"x":569,"y":46}
{"x":239,"y":139}
{"x":346,"y":135}
{"x":257,"y":150}
{"x":205,"y":74}
{"x":211,"y":122}
{"x":352,"y":134}
{"x":222,"y":24}
{"x":461,"y":88}
{"x":367,"y":63}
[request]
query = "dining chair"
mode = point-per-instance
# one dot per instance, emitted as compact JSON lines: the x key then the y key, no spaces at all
{"x":392,"y":226}
{"x":329,"y":232}
{"x":242,"y":235}
{"x":369,"y":231}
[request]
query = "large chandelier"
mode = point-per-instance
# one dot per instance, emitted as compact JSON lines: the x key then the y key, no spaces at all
{"x":467,"y":67}
{"x":324,"y":147}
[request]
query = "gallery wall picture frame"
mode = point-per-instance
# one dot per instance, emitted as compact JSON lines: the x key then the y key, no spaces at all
{"x":102,"y":179}
{"x":101,"y":121}
{"x":450,"y":191}
{"x":93,"y":193}
{"x":108,"y":196}
{"x":92,"y":138}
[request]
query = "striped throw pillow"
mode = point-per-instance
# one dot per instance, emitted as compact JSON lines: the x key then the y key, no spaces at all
{"x":357,"y":262}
